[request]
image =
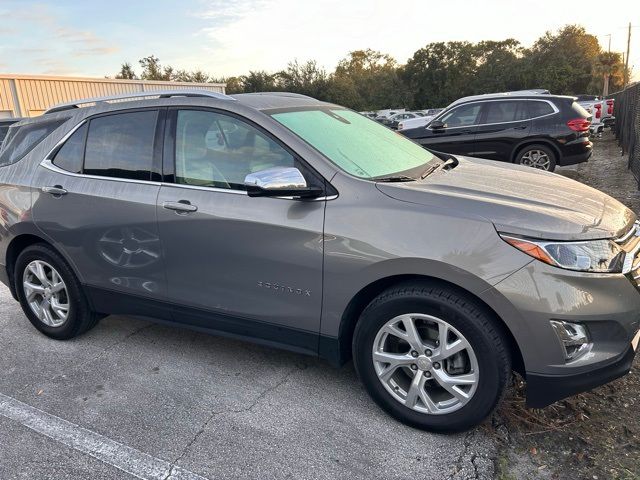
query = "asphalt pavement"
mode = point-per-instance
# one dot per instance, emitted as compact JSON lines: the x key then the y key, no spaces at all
{"x":135,"y":399}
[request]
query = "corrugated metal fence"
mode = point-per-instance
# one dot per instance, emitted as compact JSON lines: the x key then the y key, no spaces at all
{"x":28,"y":96}
{"x":627,"y":126}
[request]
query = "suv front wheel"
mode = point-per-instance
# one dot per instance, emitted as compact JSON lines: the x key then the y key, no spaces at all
{"x":431,"y":357}
{"x":50,"y":294}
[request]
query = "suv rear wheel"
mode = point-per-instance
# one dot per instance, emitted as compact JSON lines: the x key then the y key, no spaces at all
{"x":50,"y":294}
{"x":537,"y":156}
{"x":431,"y":357}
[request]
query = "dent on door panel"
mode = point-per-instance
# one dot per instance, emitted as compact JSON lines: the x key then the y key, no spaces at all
{"x":107,"y":228}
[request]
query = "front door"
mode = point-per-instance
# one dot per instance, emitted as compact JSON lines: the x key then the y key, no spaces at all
{"x":457,"y":135}
{"x":251,"y":266}
{"x":96,"y":201}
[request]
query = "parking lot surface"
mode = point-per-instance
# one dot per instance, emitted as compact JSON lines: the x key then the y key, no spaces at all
{"x":132,"y":398}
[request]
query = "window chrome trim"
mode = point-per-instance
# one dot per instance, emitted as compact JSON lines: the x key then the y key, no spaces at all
{"x":553,"y":106}
{"x":206,"y":189}
{"x":48,"y":164}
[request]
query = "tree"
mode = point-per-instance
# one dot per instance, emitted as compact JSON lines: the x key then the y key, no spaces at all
{"x":609,"y":68}
{"x":307,"y":79}
{"x":440,"y":73}
{"x":562,"y":62}
{"x":152,"y":70}
{"x":258,"y":81}
{"x":126,"y":72}
{"x":498,"y":66}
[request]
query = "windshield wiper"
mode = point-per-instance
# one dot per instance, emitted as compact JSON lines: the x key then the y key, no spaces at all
{"x":448,"y":164}
{"x":397,"y":178}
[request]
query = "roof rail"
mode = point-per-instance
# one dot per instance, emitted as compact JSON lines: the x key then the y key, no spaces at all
{"x":282,"y":94}
{"x":126,"y":96}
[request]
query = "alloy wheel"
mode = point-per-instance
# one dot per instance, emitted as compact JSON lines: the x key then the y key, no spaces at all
{"x":46,"y":293}
{"x":536,"y":159}
{"x":425,"y":363}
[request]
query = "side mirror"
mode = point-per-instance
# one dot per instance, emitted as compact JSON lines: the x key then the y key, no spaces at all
{"x":436,"y":125}
{"x":279,"y":182}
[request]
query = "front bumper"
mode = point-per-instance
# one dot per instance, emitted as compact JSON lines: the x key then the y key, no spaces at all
{"x":543,"y":390}
{"x":608,"y":305}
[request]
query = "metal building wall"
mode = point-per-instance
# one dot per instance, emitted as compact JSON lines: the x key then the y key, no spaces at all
{"x":29,"y":96}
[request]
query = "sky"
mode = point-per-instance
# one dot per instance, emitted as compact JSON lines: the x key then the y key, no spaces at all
{"x":92,"y":38}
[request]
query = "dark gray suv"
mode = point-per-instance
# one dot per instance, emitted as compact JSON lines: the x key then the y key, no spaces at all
{"x":301,"y":224}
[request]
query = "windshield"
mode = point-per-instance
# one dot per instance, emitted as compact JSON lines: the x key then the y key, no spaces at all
{"x":357,"y":145}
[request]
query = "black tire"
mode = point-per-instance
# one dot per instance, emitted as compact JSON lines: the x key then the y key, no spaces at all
{"x":465,"y":315}
{"x":80,"y":317}
{"x":543,"y":148}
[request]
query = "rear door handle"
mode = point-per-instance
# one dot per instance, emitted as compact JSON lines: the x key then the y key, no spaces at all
{"x":181,"y":206}
{"x":56,"y":190}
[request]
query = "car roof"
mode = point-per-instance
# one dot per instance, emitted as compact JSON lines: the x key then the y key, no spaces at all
{"x":256,"y":101}
{"x":10,"y":121}
{"x":277,"y":100}
{"x":526,"y":94}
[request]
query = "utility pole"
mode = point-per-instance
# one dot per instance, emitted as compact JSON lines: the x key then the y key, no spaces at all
{"x":626,"y":62}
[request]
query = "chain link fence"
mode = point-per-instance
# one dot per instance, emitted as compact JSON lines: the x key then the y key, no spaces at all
{"x":627,"y":125}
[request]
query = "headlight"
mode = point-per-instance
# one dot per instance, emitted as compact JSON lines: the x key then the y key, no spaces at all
{"x":604,"y":256}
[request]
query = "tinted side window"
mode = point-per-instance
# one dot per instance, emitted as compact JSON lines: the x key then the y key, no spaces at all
{"x":538,"y":109}
{"x":220,"y":151}
{"x":25,"y":139}
{"x":70,"y":156}
{"x":462,"y":116}
{"x":505,"y":111}
{"x":121,"y":145}
{"x":3,"y":133}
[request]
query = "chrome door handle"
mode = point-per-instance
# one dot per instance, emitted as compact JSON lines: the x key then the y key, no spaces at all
{"x":56,"y":191}
{"x":183,"y":206}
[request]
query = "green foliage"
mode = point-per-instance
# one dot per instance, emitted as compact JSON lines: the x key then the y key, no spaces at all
{"x":569,"y":61}
{"x":562,"y":62}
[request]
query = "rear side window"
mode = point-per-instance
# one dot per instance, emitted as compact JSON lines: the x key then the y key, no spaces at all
{"x":69,"y":157}
{"x":539,"y":109}
{"x":3,"y":133}
{"x":121,"y":145}
{"x":25,"y":139}
{"x":505,"y":111}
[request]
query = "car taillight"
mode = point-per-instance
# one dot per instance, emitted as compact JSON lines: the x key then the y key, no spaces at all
{"x":579,"y":125}
{"x":609,"y":107}
{"x":598,"y":110}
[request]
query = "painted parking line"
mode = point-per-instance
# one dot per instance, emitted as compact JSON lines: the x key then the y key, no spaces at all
{"x":127,"y":459}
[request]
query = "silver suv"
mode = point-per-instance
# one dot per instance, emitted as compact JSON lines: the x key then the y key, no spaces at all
{"x":301,"y":224}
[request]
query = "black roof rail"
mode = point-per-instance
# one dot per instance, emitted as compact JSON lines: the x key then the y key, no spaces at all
{"x":137,"y":95}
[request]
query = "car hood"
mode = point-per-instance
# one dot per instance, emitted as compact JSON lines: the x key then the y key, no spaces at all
{"x":518,"y":200}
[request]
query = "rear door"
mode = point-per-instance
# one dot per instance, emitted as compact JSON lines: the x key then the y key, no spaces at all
{"x":459,"y":131}
{"x":95,"y":199}
{"x":503,"y":124}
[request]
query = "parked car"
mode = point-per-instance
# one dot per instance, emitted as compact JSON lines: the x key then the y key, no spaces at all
{"x":5,"y":123}
{"x":536,"y":130}
{"x":393,"y":121}
{"x":301,"y":224}
{"x":386,"y":113}
{"x":601,"y":111}
{"x":422,"y":121}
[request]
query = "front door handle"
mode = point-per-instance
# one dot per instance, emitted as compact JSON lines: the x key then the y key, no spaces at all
{"x":180,"y":207}
{"x":56,"y":190}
